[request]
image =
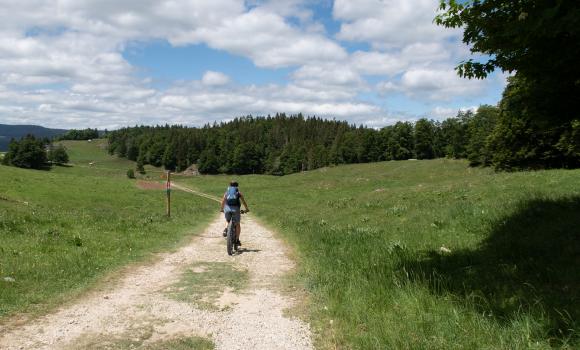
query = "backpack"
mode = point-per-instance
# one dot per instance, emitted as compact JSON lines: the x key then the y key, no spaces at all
{"x":233,"y":196}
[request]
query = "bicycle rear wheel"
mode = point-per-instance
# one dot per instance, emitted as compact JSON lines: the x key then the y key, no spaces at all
{"x":231,"y":238}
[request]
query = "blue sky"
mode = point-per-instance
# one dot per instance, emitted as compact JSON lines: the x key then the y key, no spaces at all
{"x":89,"y":63}
{"x":166,"y":64}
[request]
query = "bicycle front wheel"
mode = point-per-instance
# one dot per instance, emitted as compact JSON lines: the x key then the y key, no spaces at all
{"x":231,"y":238}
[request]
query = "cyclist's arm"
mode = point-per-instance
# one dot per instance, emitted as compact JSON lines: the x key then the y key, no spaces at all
{"x":223,"y":203}
{"x":244,"y":202}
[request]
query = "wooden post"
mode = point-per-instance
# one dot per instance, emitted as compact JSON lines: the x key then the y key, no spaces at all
{"x":168,"y":188}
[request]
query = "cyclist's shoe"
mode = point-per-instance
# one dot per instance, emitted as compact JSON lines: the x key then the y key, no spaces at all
{"x":239,"y":242}
{"x":225,"y":232}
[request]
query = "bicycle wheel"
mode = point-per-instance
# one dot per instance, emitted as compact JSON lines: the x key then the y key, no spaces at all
{"x":234,"y":239}
{"x":231,"y":238}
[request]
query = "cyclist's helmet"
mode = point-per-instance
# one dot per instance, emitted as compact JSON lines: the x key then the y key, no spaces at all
{"x":234,"y":183}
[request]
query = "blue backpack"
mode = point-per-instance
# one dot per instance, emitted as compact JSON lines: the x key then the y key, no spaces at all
{"x":233,"y":196}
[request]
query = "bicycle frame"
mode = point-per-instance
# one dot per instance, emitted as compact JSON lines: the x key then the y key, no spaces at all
{"x":231,"y":241}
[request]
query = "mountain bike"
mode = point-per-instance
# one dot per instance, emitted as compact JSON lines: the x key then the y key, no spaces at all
{"x":231,"y":240}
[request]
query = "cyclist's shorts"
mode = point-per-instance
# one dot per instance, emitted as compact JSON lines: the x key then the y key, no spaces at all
{"x":233,"y":212}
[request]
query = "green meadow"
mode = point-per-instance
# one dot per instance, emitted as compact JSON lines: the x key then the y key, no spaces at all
{"x":63,"y":230}
{"x":91,"y":158}
{"x":428,"y":254}
{"x":409,"y":254}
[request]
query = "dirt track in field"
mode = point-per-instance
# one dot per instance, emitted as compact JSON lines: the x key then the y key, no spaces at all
{"x":153,"y":304}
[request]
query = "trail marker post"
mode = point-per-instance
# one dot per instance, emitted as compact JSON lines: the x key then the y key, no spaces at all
{"x":168,"y":189}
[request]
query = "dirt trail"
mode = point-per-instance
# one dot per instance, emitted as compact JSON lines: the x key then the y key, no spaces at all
{"x":153,"y":303}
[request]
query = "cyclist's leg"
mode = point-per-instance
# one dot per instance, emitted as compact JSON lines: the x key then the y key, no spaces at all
{"x":237,"y":220}
{"x":228,"y":217}
{"x":238,"y":230}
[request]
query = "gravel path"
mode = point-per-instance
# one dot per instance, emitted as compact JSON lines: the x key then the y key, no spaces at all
{"x":139,"y":312}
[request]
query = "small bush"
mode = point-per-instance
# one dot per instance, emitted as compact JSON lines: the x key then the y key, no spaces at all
{"x":58,"y":154}
{"x":140,"y":167}
{"x":27,"y":153}
{"x":131,"y":174}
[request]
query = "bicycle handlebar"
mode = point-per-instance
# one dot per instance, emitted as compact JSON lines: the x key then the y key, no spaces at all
{"x":241,"y":211}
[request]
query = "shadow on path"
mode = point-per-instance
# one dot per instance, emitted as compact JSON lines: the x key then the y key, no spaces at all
{"x":529,"y":263}
{"x":244,"y":250}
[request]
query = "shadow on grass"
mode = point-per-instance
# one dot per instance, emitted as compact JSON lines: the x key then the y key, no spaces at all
{"x":47,"y":166}
{"x":529,"y":262}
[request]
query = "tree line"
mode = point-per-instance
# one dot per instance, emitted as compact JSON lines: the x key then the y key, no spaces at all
{"x":491,"y":136}
{"x":34,"y":153}
{"x":535,"y":125}
{"x":84,"y":134}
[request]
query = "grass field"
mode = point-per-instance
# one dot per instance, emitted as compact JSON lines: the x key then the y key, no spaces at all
{"x":410,"y":254}
{"x":62,"y":230}
{"x":91,"y":158}
{"x":429,"y":254}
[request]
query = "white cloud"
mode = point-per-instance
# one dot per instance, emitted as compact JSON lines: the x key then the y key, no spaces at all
{"x":286,"y":8}
{"x":376,"y":63}
{"x":388,"y":119}
{"x":268,"y":40}
{"x":425,"y":53}
{"x":385,"y":87}
{"x":77,"y":45}
{"x":64,"y":58}
{"x":432,"y":84}
{"x":62,"y":63}
{"x":442,"y":113}
{"x":188,"y":103}
{"x":261,"y":34}
{"x":211,"y":78}
{"x":327,"y":75}
{"x":389,"y":23}
{"x":260,"y":100}
{"x":438,"y":84}
{"x":409,"y":50}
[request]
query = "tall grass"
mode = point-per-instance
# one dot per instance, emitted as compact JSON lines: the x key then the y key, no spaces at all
{"x":62,"y":230}
{"x":430,"y":254}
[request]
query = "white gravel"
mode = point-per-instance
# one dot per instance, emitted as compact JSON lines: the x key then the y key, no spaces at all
{"x":249,"y":319}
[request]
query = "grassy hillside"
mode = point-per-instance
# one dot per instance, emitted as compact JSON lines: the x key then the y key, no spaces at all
{"x":430,"y":254}
{"x":61,"y":230}
{"x":91,"y":158}
{"x":411,"y":254}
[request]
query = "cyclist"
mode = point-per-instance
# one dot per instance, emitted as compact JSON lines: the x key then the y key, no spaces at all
{"x":230,"y":206}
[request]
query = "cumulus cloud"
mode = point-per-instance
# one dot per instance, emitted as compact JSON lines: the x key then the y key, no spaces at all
{"x":211,"y":78}
{"x":409,"y":52}
{"x":192,"y":99}
{"x":389,"y":23}
{"x":62,"y":63}
{"x":327,"y":75}
{"x":441,"y":113}
{"x":377,"y":63}
{"x":432,"y":84}
{"x":438,"y":84}
{"x":385,"y":87}
{"x":268,"y":40}
{"x":287,"y":8}
{"x":425,"y":53}
{"x":188,"y":103}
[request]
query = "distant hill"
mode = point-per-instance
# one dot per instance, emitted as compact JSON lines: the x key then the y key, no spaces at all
{"x":8,"y":132}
